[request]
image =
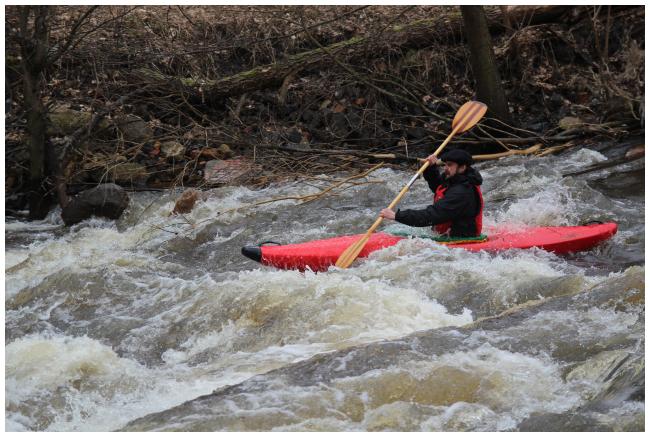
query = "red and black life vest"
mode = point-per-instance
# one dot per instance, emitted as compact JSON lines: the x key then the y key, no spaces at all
{"x":444,"y":228}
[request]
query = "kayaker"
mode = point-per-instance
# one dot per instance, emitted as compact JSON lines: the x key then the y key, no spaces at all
{"x":457,"y":209}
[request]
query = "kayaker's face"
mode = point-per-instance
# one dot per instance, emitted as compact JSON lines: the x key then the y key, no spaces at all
{"x":451,"y":169}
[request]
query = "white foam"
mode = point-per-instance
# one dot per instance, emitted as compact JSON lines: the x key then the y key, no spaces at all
{"x":582,"y":158}
{"x":505,"y":387}
{"x":550,"y":205}
{"x":232,"y":325}
{"x":308,"y":313}
{"x":14,"y":257}
{"x":101,"y":391}
{"x":434,"y":269}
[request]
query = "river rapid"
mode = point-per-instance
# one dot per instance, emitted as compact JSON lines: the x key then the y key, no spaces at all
{"x":158,"y":323}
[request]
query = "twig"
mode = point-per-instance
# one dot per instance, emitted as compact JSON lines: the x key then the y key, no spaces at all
{"x":511,"y":152}
{"x":494,"y":139}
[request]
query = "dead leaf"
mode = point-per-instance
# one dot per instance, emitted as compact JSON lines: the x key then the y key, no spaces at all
{"x":156,"y":149}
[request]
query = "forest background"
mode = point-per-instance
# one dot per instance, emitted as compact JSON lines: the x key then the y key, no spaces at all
{"x":157,"y":97}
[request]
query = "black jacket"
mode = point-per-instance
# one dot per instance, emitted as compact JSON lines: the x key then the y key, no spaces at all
{"x":460,"y":204}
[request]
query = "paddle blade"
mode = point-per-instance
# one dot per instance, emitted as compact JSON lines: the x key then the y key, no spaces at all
{"x":468,"y":115}
{"x":352,"y":252}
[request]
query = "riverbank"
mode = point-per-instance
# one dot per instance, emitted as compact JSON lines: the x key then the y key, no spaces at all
{"x":341,"y":116}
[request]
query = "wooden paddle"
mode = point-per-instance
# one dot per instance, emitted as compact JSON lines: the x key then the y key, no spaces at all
{"x":467,"y":116}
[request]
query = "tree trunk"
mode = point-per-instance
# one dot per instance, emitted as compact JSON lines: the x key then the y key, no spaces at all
{"x":44,"y":160}
{"x":409,"y":36}
{"x":507,"y":23}
{"x":34,"y":59}
{"x":38,"y":206}
{"x":489,"y":89}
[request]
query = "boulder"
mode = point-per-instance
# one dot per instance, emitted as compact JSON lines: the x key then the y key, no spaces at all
{"x":64,"y":121}
{"x":218,"y":172}
{"x":105,"y":200}
{"x":186,"y":202}
{"x":128,"y":172}
{"x":339,"y":125}
{"x":222,"y":152}
{"x":294,"y":136}
{"x":569,"y":123}
{"x":133,"y":128}
{"x":172,"y":149}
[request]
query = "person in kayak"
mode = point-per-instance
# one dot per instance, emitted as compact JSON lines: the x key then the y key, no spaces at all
{"x":457,"y":209}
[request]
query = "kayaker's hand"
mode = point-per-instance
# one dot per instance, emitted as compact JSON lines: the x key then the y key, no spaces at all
{"x":387,"y":213}
{"x":433,"y":159}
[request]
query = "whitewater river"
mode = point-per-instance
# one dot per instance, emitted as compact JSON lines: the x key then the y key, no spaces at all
{"x":158,"y":323}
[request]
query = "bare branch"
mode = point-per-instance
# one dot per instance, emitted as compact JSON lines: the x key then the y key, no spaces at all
{"x":73,"y":32}
{"x":70,"y":45}
{"x":272,"y":38}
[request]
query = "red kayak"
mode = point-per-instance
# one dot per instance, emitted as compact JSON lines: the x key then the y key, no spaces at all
{"x":319,"y":255}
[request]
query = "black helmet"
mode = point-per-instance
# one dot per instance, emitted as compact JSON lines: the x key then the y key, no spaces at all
{"x":458,"y":156}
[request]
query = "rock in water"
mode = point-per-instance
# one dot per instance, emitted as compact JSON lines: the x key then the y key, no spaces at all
{"x":186,"y":202}
{"x":105,"y":200}
{"x":635,"y":151}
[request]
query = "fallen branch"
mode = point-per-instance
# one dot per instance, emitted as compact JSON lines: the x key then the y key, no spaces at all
{"x":397,"y":157}
{"x":511,"y":152}
{"x":412,"y":35}
{"x":554,"y":149}
{"x":520,"y":141}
